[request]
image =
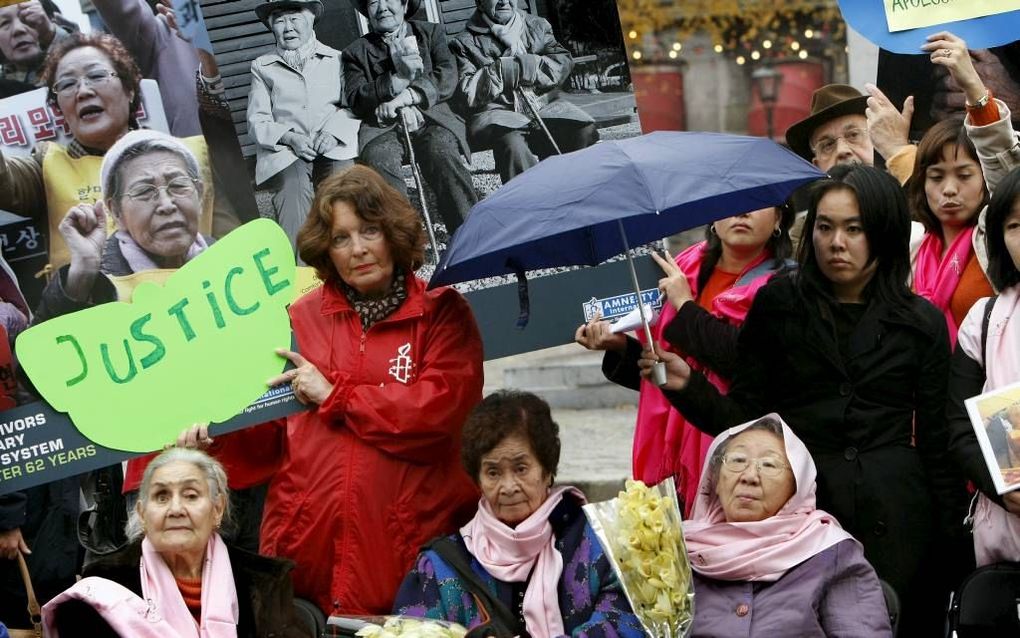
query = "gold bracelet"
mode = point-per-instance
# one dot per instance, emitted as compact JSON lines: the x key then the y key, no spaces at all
{"x":981,"y":103}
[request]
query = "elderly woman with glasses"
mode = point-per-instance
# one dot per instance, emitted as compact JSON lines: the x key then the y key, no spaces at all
{"x":177,"y":577}
{"x":765,"y":561}
{"x":94,"y":84}
{"x":152,"y":189}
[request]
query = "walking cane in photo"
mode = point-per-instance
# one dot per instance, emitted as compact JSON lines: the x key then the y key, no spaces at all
{"x":533,"y":109}
{"x":420,"y":184}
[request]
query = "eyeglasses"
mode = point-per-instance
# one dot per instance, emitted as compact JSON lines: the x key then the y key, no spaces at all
{"x":370,"y":232}
{"x":177,"y":188}
{"x":68,"y":86}
{"x":826,"y":146}
{"x":767,"y":465}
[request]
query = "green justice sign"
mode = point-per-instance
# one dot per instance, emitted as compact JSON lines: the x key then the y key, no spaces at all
{"x":196,"y":348}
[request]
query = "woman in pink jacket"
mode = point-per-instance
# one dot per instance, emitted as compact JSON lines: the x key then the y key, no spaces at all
{"x":709,"y":290}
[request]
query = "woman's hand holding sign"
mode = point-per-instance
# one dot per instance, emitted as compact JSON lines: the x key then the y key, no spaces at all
{"x":310,"y":387}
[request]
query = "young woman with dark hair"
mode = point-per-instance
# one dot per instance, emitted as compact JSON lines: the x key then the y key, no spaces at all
{"x":987,"y":357}
{"x":857,"y":367}
{"x":709,"y":288}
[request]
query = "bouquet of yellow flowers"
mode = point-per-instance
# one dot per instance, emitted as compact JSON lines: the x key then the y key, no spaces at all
{"x":640,"y":531}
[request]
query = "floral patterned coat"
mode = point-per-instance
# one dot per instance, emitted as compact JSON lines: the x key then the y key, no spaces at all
{"x":591,"y":599}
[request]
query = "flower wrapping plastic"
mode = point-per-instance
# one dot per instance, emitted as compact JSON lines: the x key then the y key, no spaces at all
{"x":407,"y":627}
{"x":640,"y":531}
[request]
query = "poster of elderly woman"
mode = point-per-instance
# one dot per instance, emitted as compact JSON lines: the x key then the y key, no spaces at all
{"x":448,"y":112}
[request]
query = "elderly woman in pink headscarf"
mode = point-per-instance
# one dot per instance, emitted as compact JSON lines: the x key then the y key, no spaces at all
{"x":766,"y":562}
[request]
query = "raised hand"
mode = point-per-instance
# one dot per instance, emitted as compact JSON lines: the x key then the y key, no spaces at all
{"x":950,"y":53}
{"x":888,"y":126}
{"x":84,"y":230}
{"x":674,"y":285}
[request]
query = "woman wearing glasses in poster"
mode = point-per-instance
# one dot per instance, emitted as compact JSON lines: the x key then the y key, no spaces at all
{"x":765,"y":561}
{"x":152,"y":188}
{"x":94,"y":84}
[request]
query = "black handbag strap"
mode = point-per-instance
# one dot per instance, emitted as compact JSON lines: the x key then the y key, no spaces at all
{"x":449,"y":550}
{"x":985,"y":321}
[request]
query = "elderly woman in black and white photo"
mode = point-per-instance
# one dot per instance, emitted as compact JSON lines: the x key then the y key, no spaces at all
{"x":177,"y":576}
{"x":296,"y":114}
{"x":511,"y":67}
{"x":399,"y":77}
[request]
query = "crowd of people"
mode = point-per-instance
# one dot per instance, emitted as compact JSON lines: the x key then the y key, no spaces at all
{"x":817,"y":361}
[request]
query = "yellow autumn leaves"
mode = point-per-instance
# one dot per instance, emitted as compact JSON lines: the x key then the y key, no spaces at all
{"x":640,"y":530}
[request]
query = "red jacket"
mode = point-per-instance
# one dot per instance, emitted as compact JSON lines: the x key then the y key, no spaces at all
{"x":375,"y":471}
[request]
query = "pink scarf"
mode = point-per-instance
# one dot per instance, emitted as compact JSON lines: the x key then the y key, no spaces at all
{"x":139,"y":260}
{"x":996,"y":531}
{"x":219,"y":596}
{"x":664,"y":443}
{"x":760,"y":550}
{"x":936,"y":278}
{"x":509,"y":553}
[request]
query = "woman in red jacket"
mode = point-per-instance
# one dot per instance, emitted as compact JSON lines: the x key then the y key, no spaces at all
{"x":391,"y":371}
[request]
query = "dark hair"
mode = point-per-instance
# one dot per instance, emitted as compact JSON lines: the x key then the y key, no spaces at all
{"x":123,"y":64}
{"x":504,"y":414}
{"x":374,"y":200}
{"x":929,"y":152}
{"x":779,"y":246}
{"x":1001,"y":268}
{"x":764,"y":424}
{"x":886,"y":225}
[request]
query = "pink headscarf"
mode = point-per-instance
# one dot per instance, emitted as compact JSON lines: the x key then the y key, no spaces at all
{"x":664,"y":443}
{"x":936,"y":277}
{"x":510,"y":553}
{"x":996,"y":531}
{"x":760,"y":550}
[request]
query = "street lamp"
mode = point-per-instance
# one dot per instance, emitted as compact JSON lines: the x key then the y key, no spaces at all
{"x":767,"y":81}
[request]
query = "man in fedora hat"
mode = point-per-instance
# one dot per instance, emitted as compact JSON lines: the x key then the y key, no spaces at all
{"x":836,"y":131}
{"x":507,"y":56}
{"x":399,"y":77}
{"x":295,"y":110}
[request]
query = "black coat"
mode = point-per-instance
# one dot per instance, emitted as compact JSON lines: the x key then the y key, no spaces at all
{"x":264,"y":595}
{"x":855,"y":415}
{"x":367,"y":71}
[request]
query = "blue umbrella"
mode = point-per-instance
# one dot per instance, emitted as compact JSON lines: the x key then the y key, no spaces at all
{"x":587,"y":206}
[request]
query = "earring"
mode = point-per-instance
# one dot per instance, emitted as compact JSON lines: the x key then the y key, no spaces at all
{"x":777,"y":232}
{"x":711,"y":229}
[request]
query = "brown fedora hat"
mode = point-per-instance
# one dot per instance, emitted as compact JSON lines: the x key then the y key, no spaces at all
{"x":827,"y":103}
{"x":266,"y":9}
{"x":411,"y":8}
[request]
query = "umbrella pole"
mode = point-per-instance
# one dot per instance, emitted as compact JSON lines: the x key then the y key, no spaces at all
{"x":659,"y":369}
{"x":420,"y":184}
